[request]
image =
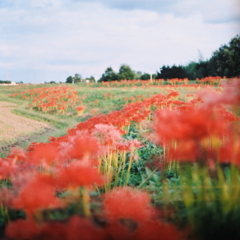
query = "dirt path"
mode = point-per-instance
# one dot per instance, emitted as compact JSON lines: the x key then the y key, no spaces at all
{"x":14,"y":128}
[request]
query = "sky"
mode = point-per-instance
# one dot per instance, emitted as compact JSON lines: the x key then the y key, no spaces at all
{"x":49,"y":40}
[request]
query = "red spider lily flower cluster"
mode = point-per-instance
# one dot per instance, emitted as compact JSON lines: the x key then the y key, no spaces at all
{"x":80,"y":109}
{"x":205,"y":129}
{"x":131,"y":216}
{"x":45,"y":167}
{"x":127,"y":215}
{"x":205,"y":133}
{"x":122,"y":83}
{"x":230,"y":94}
{"x":211,"y":80}
{"x":178,"y":81}
{"x":132,"y":112}
{"x":108,"y":95}
{"x":141,"y":83}
{"x":53,"y":99}
{"x":66,"y":163}
{"x":175,"y":82}
{"x":134,"y":98}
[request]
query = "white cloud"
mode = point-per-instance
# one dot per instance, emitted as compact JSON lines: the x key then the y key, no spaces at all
{"x":56,"y":38}
{"x":212,"y":10}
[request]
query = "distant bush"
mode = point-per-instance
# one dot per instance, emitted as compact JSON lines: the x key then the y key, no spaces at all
{"x":2,"y":81}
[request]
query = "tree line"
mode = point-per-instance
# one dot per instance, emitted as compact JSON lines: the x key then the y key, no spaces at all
{"x":77,"y":78}
{"x":125,"y":73}
{"x":5,"y":81}
{"x":224,"y":62}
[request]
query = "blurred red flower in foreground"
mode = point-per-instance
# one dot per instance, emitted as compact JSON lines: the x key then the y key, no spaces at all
{"x":37,"y":194}
{"x":22,"y":229}
{"x":128,"y":203}
{"x":79,"y":174}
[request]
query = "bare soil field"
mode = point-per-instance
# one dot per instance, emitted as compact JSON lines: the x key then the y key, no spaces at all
{"x":16,"y":129}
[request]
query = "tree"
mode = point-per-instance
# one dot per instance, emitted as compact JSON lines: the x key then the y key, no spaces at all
{"x":138,"y":75}
{"x":69,"y":79}
{"x":154,"y":76}
{"x":108,"y":75}
{"x":201,"y":69}
{"x":234,"y":56}
{"x":92,"y":79}
{"x":218,"y":62}
{"x":167,"y":72}
{"x":145,"y":76}
{"x":190,"y":70}
{"x":125,"y":73}
{"x":226,"y":60}
{"x":77,"y":78}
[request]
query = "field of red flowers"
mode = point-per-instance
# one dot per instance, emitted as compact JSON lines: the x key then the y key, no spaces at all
{"x":163,"y":166}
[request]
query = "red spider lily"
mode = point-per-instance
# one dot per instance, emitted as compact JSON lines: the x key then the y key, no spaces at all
{"x":231,"y":92}
{"x":123,"y":118}
{"x":50,"y":99}
{"x":80,"y":109}
{"x":22,"y":229}
{"x":76,"y":228}
{"x":79,"y":174}
{"x":82,"y":145}
{"x":37,"y":194}
{"x":194,"y":134}
{"x":156,"y":230}
{"x":185,"y":150}
{"x":7,"y":168}
{"x":18,"y":154}
{"x":53,"y":231}
{"x":128,"y":145}
{"x":228,"y":116}
{"x":6,"y":196}
{"x":44,"y":154}
{"x":108,"y":135}
{"x":229,"y":96}
{"x":230,"y":152}
{"x":121,"y":230}
{"x":62,"y":108}
{"x":84,"y":229}
{"x":177,"y":102}
{"x":11,"y":166}
{"x":195,"y":124}
{"x":16,"y":162}
{"x":131,"y":217}
{"x":127,"y":203}
{"x":94,"y":111}
{"x":210,"y":79}
{"x":173,"y":94}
